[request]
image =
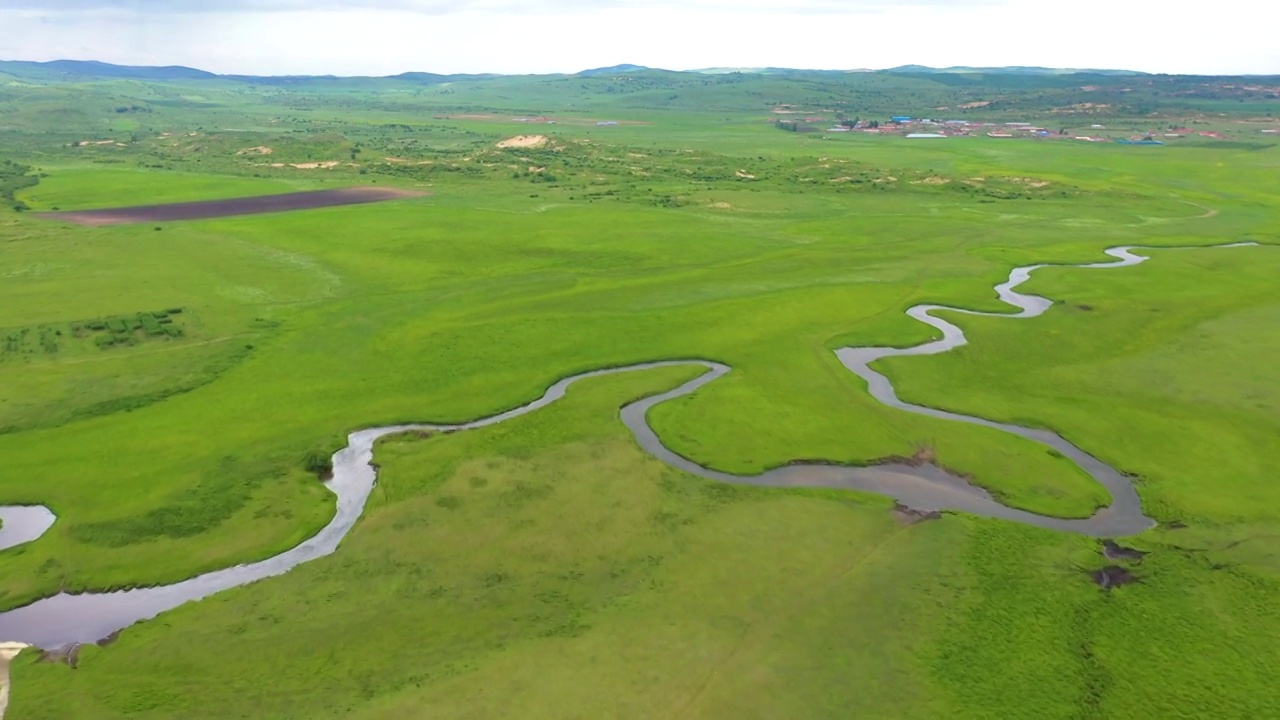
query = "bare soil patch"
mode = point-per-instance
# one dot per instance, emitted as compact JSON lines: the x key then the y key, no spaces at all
{"x":260,"y":150}
{"x":232,"y":207}
{"x":1029,"y":182}
{"x":924,"y":455}
{"x":1082,"y":108}
{"x":910,"y":516}
{"x":525,"y":141}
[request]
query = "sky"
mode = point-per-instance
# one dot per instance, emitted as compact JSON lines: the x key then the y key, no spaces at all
{"x":382,"y":37}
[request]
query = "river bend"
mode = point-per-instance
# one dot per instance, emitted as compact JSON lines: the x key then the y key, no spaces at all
{"x":69,"y":619}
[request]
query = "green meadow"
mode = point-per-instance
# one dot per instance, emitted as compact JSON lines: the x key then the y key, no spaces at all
{"x":548,"y":564}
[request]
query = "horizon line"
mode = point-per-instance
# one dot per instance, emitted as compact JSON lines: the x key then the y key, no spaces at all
{"x":631,"y":67}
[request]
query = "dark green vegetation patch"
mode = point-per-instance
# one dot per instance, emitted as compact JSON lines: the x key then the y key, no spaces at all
{"x":102,"y":333}
{"x":15,"y":177}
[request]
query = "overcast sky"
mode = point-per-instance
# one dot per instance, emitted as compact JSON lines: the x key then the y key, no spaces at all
{"x":354,"y":37}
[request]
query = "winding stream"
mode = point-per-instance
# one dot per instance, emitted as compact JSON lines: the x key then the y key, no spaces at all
{"x":68,"y":619}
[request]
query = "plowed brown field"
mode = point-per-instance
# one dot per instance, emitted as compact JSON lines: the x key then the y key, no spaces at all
{"x":233,"y":206}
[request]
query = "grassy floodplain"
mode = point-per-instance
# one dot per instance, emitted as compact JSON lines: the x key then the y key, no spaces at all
{"x":548,"y":564}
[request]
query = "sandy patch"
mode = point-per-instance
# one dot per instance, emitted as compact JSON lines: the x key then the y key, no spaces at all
{"x":974,"y":105}
{"x":745,"y":175}
{"x":721,"y":206}
{"x":525,"y":141}
{"x":327,"y":165}
{"x":886,"y":179}
{"x":8,"y":651}
{"x":932,"y":181}
{"x":96,"y":142}
{"x":260,"y":150}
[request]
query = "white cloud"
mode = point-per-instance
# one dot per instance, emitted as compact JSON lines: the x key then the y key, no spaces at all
{"x":525,"y":36}
{"x":443,"y":7}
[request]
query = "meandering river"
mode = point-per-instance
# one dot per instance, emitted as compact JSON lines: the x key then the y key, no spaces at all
{"x":68,"y":619}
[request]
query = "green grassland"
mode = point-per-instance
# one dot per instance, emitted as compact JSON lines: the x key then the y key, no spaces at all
{"x":548,"y":564}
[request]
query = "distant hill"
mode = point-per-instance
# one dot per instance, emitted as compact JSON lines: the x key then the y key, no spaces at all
{"x":95,"y":69}
{"x":425,"y":78}
{"x":76,"y":70}
{"x":773,"y":71}
{"x":1007,"y":70}
{"x":82,"y":70}
{"x":614,"y":70}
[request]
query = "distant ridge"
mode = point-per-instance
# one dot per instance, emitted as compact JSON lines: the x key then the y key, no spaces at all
{"x":75,"y":70}
{"x":615,"y":70}
{"x":1006,"y":70}
{"x":773,"y":71}
{"x":93,"y":68}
